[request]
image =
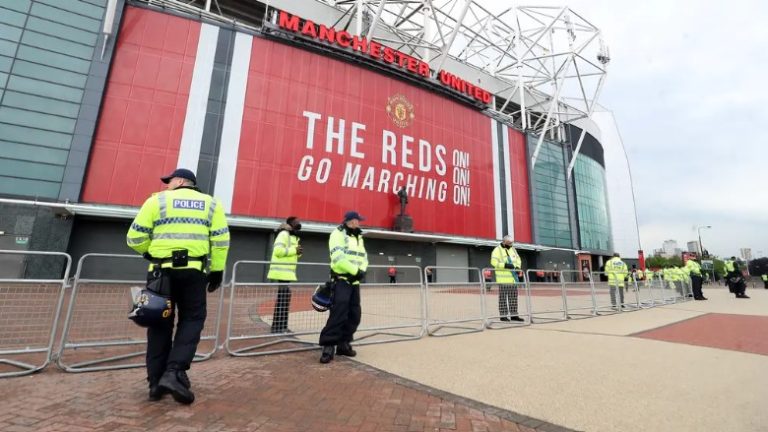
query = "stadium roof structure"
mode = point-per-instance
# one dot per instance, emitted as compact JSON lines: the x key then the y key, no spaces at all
{"x":544,"y":65}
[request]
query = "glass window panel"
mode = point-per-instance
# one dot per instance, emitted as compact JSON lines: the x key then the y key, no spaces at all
{"x":62,"y":31}
{"x":11,"y":17}
{"x":10,"y":33}
{"x":8,"y":48}
{"x":56,"y":44}
{"x":3,"y":79}
{"x":64,"y":17}
{"x":61,"y":61}
{"x":33,"y":153}
{"x":30,"y":188}
{"x":22,"y":134}
{"x":31,"y":170}
{"x":56,"y":91}
{"x":38,"y":120}
{"x":77,"y":7}
{"x":33,"y":70}
{"x":5,"y":63}
{"x":17,"y":5}
{"x":41,"y":104}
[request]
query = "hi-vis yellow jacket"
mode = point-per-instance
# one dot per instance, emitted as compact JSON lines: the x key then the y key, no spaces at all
{"x":183,"y":218}
{"x":501,"y":256}
{"x":285,"y":255}
{"x":347,"y":252}
{"x":617,"y":271}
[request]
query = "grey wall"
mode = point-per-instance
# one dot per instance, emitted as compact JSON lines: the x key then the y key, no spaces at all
{"x":43,"y":230}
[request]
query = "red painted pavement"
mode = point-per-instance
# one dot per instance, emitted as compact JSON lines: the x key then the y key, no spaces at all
{"x":746,"y":333}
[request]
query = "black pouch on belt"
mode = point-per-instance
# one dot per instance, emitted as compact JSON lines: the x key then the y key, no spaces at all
{"x":180,"y":258}
{"x":159,"y":282}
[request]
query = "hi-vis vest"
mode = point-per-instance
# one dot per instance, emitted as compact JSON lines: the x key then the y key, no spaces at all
{"x":501,"y":256}
{"x":693,"y":268}
{"x":616,"y":270}
{"x":765,"y":277}
{"x":284,"y":257}
{"x":183,"y":218}
{"x":729,"y":267}
{"x":347,"y":253}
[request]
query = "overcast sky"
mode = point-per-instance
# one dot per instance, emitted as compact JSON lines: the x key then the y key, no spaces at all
{"x":687,"y":86}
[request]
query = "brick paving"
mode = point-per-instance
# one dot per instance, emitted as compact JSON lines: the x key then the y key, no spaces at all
{"x":280,"y":393}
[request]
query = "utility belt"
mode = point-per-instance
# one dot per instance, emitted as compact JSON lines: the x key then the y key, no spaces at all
{"x":344,"y":276}
{"x":179,"y":259}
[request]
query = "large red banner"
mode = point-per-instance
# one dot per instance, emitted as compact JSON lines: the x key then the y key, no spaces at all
{"x":320,"y":137}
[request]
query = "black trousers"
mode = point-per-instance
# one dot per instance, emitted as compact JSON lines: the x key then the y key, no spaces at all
{"x":393,"y":279}
{"x":696,"y":282}
{"x":164,"y":351}
{"x":345,"y":314}
{"x":507,"y":300}
{"x":282,"y":307}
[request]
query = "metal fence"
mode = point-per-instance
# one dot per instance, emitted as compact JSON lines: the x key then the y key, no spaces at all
{"x":97,"y":332}
{"x":29,"y":315}
{"x":273,"y":317}
{"x":505,"y":302}
{"x":579,"y":294}
{"x":547,"y":294}
{"x":267,"y":317}
{"x":456,"y":303}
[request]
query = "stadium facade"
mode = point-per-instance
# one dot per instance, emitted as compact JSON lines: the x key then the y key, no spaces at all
{"x":287,"y":111}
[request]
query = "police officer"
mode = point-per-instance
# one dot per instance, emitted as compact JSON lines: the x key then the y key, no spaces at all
{"x":616,"y":270}
{"x":765,"y":280}
{"x":180,"y":230}
{"x":504,"y":259}
{"x":349,"y":261}
{"x":694,"y":272}
{"x":734,"y":278}
{"x":285,"y":254}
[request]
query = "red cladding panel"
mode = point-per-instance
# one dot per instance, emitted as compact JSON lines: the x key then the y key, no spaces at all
{"x":144,"y":106}
{"x":441,"y":146}
{"x":520,"y":189}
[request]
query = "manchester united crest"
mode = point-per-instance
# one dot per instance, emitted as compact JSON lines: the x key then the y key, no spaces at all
{"x":400,"y":110}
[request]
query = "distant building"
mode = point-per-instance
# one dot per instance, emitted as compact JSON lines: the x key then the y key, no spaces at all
{"x":670,"y":248}
{"x":693,"y":246}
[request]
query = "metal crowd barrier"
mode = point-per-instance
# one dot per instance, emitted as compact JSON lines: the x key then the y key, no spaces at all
{"x":391,"y":312}
{"x":579,"y":294}
{"x":29,"y":316}
{"x":97,"y":329}
{"x":511,"y":300}
{"x":646,"y":293}
{"x":454,"y":302}
{"x":607,"y":298}
{"x":547,"y":294}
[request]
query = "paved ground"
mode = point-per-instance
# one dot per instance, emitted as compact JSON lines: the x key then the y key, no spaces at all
{"x":695,"y":366}
{"x":291,"y":392}
{"x":596,"y":375}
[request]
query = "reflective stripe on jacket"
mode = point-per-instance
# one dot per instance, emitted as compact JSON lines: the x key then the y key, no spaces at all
{"x":347,"y":253}
{"x":501,"y":256}
{"x":183,"y":218}
{"x":616,"y":270}
{"x":284,"y":257}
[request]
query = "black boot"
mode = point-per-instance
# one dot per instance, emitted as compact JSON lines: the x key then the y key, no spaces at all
{"x":327,"y":355}
{"x":155,"y":392}
{"x":517,"y":318}
{"x":174,"y":382}
{"x":345,"y":349}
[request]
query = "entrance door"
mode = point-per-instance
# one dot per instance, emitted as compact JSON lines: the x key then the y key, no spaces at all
{"x":452,"y":256}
